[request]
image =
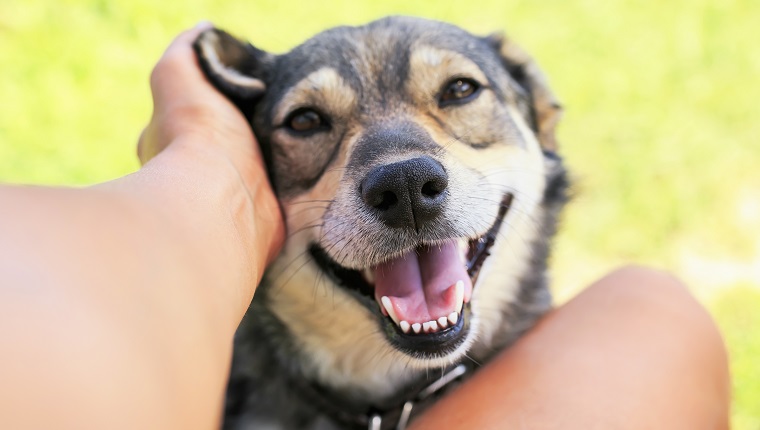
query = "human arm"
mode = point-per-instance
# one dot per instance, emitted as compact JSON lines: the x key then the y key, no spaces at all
{"x":188,"y":237}
{"x":118,"y":302}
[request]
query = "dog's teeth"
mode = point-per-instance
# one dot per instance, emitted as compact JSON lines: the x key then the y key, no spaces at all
{"x":432,"y":326}
{"x":382,"y":309}
{"x":389,"y":308}
{"x":416,"y":327}
{"x":453,"y":317}
{"x":443,"y":322}
{"x":426,"y":327}
{"x":459,"y":296}
{"x":404,"y":326}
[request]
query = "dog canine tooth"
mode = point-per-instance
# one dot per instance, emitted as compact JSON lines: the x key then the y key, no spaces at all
{"x":443,"y":322}
{"x":382,"y":309}
{"x":514,"y":160}
{"x":459,"y":295}
{"x":389,"y":308}
{"x":453,"y":317}
{"x":404,"y":326}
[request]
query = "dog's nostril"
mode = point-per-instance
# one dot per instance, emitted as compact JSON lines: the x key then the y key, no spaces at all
{"x":388,"y":199}
{"x":432,"y":189}
{"x":406,"y":194}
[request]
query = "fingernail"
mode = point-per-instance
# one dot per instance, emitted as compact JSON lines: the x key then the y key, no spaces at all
{"x":203,"y":25}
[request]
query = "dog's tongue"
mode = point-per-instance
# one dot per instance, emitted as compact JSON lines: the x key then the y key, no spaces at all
{"x":421,"y":283}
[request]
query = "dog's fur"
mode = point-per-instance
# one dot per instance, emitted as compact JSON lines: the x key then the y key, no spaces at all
{"x":379,"y":89}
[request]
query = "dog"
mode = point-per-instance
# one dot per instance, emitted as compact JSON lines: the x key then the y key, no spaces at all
{"x":417,"y":169}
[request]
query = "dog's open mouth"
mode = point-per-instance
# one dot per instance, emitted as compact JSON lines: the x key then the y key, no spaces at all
{"x":422,"y":296}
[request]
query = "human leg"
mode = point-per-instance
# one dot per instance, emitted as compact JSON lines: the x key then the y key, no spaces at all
{"x":633,"y":351}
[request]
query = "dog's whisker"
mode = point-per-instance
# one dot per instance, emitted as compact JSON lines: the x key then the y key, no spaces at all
{"x":337,"y":169}
{"x":360,"y":178}
{"x":304,"y":210}
{"x":476,"y":362}
{"x":300,"y":202}
{"x":282,"y":285}
{"x":289,"y":264}
{"x":276,"y":276}
{"x":304,"y":228}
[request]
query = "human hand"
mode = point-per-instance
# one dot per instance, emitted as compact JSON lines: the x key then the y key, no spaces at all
{"x":185,"y":105}
{"x":188,"y":109}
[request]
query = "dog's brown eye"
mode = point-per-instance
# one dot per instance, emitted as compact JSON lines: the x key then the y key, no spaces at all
{"x":305,"y":120}
{"x":459,"y":90}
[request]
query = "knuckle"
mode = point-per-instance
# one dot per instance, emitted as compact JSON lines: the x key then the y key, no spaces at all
{"x":166,"y":66}
{"x":156,"y":75}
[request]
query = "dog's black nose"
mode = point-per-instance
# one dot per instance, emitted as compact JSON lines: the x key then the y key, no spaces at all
{"x":406,"y":194}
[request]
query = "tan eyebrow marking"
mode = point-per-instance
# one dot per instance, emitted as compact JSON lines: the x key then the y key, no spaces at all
{"x":323,"y":88}
{"x":431,"y":67}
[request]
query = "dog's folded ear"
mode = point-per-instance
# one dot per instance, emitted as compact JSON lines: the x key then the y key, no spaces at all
{"x":234,"y":67}
{"x":543,"y":107}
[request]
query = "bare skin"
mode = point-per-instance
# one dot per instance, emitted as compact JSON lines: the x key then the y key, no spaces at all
{"x":118,"y":302}
{"x":632,"y":351}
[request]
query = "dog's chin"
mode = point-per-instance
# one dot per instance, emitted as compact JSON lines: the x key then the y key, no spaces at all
{"x":443,"y":337}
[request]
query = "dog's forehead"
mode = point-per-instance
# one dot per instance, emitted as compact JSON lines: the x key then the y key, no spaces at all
{"x":376,"y":56}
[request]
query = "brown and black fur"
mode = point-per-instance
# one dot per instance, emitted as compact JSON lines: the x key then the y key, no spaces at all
{"x":379,"y":85}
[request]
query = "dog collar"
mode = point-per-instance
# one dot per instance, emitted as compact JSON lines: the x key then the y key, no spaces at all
{"x":421,"y":400}
{"x":395,"y":415}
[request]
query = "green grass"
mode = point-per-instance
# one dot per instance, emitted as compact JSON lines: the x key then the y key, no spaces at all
{"x":660,"y":127}
{"x":738,"y":317}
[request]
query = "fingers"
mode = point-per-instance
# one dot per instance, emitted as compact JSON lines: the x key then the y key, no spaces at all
{"x":178,"y":88}
{"x":186,"y":104}
{"x":176,"y":78}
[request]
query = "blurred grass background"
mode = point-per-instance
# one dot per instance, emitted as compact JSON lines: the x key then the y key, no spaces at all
{"x":660,"y":127}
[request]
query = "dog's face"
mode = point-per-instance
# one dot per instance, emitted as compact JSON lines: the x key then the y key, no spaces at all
{"x":410,"y":158}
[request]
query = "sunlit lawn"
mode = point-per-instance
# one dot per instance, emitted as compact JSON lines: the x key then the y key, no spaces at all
{"x":661,"y":129}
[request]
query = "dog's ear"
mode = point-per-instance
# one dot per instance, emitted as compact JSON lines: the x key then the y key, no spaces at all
{"x":543,"y":107}
{"x":236,"y":68}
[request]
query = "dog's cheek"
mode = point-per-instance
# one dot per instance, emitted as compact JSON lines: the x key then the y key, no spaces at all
{"x":339,"y":341}
{"x":481,"y":123}
{"x":514,"y":164}
{"x":301,"y":162}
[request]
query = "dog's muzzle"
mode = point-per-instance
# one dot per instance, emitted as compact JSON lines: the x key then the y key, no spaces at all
{"x":422,"y":296}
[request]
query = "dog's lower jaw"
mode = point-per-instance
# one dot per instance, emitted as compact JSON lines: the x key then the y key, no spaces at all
{"x":423,"y":334}
{"x":269,"y":354}
{"x":360,"y":363}
{"x":343,"y":348}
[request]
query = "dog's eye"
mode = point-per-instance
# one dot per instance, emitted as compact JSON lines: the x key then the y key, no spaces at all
{"x":459,"y":90}
{"x":305,"y":120}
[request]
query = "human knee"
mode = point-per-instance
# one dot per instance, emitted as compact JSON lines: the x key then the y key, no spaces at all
{"x":639,"y":283}
{"x":664,"y":300}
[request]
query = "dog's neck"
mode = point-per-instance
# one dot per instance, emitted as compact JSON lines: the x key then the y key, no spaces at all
{"x":393,"y":413}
